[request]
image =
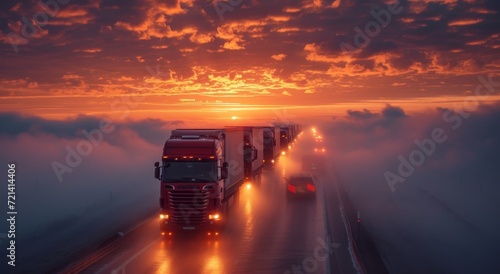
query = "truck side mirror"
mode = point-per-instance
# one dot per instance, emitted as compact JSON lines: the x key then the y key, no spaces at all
{"x":157,"y":170}
{"x":255,"y":154}
{"x":224,"y":171}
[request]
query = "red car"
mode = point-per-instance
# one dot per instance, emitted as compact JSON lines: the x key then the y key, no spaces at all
{"x":300,"y":185}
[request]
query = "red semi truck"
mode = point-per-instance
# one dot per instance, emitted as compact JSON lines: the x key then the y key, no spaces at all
{"x":200,"y":173}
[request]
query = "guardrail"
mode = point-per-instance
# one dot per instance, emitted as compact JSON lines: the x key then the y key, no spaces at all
{"x":353,"y":247}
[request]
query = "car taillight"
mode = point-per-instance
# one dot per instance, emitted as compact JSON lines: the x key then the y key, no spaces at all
{"x":310,"y":187}
{"x":291,"y":189}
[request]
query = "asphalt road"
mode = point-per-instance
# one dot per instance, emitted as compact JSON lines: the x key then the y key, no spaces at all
{"x":266,"y":233}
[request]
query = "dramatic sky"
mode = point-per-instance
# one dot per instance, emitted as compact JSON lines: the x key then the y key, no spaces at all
{"x":388,"y":72}
{"x":176,"y":59}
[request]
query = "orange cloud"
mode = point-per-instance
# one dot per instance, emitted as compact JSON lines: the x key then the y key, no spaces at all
{"x":201,"y":38}
{"x":234,"y":44}
{"x":90,"y":50}
{"x":279,"y":57}
{"x":464,"y":22}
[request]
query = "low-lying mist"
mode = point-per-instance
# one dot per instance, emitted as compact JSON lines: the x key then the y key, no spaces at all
{"x":77,"y":181}
{"x":427,"y":185}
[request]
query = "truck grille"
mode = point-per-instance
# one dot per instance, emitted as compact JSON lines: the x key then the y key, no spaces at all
{"x":190,"y":207}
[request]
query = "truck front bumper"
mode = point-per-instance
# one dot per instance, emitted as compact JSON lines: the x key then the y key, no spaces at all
{"x":167,"y":227}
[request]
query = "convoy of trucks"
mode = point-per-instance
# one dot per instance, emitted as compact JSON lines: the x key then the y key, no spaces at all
{"x":202,"y":170}
{"x":288,"y":133}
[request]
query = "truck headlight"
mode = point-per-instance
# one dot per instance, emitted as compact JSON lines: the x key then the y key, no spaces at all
{"x":213,"y":217}
{"x":163,"y":216}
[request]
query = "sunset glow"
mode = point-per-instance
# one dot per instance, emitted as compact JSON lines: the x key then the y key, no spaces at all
{"x":250,"y":136}
{"x":176,"y":58}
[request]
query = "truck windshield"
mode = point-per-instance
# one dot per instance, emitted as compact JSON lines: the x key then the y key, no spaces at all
{"x":189,"y":171}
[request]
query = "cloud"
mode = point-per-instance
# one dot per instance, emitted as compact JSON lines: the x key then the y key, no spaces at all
{"x":286,"y":93}
{"x":464,"y":22}
{"x":97,"y":181}
{"x":360,"y":115}
{"x":435,"y":47}
{"x":90,"y":50}
{"x":201,"y":38}
{"x":15,"y":124}
{"x":442,"y":208}
{"x":279,"y":57}
{"x":393,"y":112}
{"x":153,"y":131}
{"x":234,"y":44}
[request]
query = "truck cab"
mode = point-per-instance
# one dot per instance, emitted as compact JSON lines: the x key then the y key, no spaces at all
{"x":192,"y":178}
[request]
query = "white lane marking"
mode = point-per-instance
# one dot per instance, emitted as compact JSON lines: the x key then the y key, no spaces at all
{"x":122,"y":266}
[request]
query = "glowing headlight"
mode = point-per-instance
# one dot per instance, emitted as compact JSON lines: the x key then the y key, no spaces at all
{"x":163,"y":216}
{"x":213,"y":217}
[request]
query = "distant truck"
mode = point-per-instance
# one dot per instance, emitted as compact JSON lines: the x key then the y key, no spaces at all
{"x":271,"y":145}
{"x":288,"y":134}
{"x":254,"y":153}
{"x":284,"y":133}
{"x":200,"y":173}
